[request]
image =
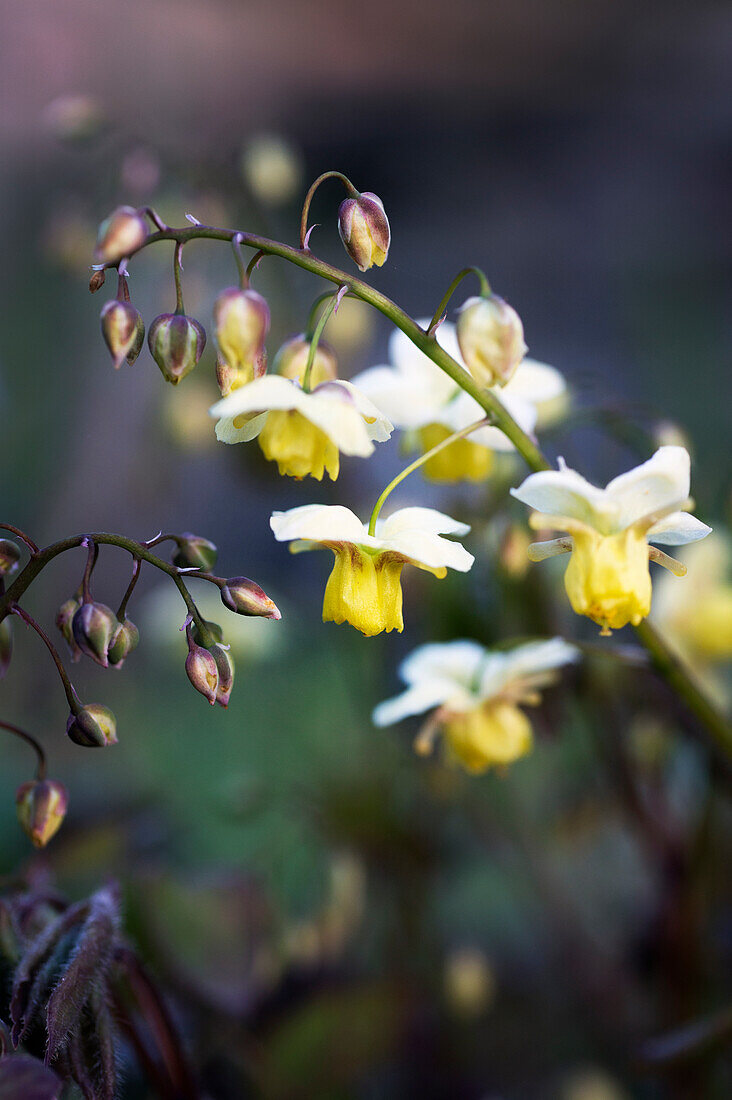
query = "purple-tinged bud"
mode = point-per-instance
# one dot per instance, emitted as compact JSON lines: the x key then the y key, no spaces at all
{"x":225,"y":666}
{"x":491,"y":339}
{"x":123,"y":330}
{"x":96,"y":282}
{"x":194,"y":552}
{"x":247,"y":598}
{"x":41,"y":807}
{"x":9,"y":557}
{"x":176,"y":343}
{"x":121,"y":234}
{"x":124,"y":640}
{"x":64,"y":621}
{"x":241,"y":324}
{"x":202,"y":671}
{"x":94,"y":625}
{"x":364,"y":230}
{"x":292,"y":359}
{"x":93,"y":726}
{"x":6,"y":646}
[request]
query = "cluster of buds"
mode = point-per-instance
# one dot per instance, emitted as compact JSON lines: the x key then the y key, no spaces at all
{"x":92,"y":629}
{"x":210,"y":668}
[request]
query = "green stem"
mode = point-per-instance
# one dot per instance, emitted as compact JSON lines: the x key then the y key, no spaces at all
{"x":40,"y":754}
{"x":352,"y":194}
{"x":69,"y":689}
{"x":485,"y":290}
{"x":177,"y":269}
{"x":122,"y":609}
{"x":673,"y":671}
{"x":21,"y":535}
{"x":420,"y":462}
{"x":486,"y":399}
{"x":315,"y":340}
{"x":240,"y":265}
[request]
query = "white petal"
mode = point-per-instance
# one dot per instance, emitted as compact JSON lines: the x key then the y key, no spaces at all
{"x":378,"y":425}
{"x":429,"y":550}
{"x":226,"y":432}
{"x":406,"y":400}
{"x":418,"y":367}
{"x":457,"y":661}
{"x":535,"y":382}
{"x":564,"y":492}
{"x":425,"y":520}
{"x":319,"y":523}
{"x":272,"y":391}
{"x":415,"y":700}
{"x":677,"y":529}
{"x":659,"y":483}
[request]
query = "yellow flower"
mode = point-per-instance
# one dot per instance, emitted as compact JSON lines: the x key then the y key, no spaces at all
{"x":302,"y":432}
{"x":429,"y":406}
{"x":364,"y":587}
{"x":475,"y":697}
{"x":608,"y":576}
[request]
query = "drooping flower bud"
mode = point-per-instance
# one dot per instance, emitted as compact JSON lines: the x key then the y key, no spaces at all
{"x":241,"y":324}
{"x":123,"y":330}
{"x":194,"y":552}
{"x":121,"y":234}
{"x":364,"y":230}
{"x":202,"y":670}
{"x":9,"y":557}
{"x":64,"y":621}
{"x":491,"y":339}
{"x":124,"y":640}
{"x":245,"y":597}
{"x":6,"y":646}
{"x":93,"y":726}
{"x":94,"y":625}
{"x":292,"y":359}
{"x":176,"y":343}
{"x":41,"y":807}
{"x":225,"y":666}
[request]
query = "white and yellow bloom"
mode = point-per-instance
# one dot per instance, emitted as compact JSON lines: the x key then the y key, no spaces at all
{"x":476,"y":695}
{"x":364,"y":588}
{"x":302,"y":432}
{"x":421,"y":399}
{"x":609,"y":531}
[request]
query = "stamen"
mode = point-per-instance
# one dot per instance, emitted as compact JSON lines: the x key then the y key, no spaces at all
{"x":673,"y":566}
{"x":540,"y":551}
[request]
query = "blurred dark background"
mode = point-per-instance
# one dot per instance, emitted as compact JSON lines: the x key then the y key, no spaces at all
{"x":582,"y":154}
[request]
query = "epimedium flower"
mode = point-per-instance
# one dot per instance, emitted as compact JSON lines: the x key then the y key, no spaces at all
{"x":609,"y":530}
{"x":302,"y":432}
{"x":423,"y":401}
{"x":364,"y":587}
{"x":475,"y":696}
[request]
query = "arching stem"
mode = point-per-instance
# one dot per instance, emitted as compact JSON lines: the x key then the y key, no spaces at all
{"x":70,"y":691}
{"x":485,"y":291}
{"x":40,"y":754}
{"x":352,"y":194}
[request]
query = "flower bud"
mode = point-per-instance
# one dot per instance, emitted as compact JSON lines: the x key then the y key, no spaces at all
{"x":93,"y":726}
{"x":491,"y":339}
{"x":364,"y":230}
{"x":121,"y":234}
{"x":241,"y":323}
{"x":247,"y":598}
{"x":6,"y":646}
{"x":176,"y":343}
{"x":123,"y":330}
{"x":194,"y":552}
{"x":94,"y":625}
{"x":202,"y":670}
{"x":9,"y":557}
{"x":64,"y":621}
{"x":41,"y":807}
{"x":214,"y":630}
{"x":292,"y":359}
{"x":225,"y":667}
{"x":124,"y":640}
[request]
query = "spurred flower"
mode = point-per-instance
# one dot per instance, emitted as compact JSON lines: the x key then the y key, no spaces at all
{"x":364,"y":588}
{"x":475,"y":696}
{"x":609,"y":531}
{"x":302,"y":432}
{"x":428,"y":405}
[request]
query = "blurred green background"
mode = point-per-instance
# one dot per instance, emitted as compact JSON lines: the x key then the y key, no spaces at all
{"x":332,"y":916}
